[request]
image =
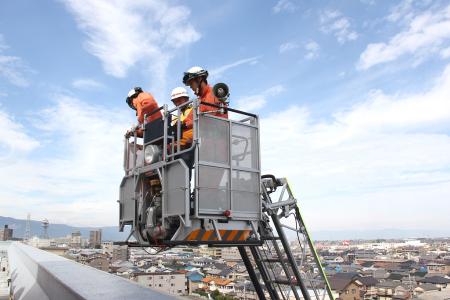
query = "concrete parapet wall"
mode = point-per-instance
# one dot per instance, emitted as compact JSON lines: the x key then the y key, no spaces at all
{"x":37,"y":274}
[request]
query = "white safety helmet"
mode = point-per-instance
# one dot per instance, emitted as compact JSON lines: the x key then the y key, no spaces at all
{"x":178,"y":92}
{"x":194,"y":72}
{"x":133,"y":93}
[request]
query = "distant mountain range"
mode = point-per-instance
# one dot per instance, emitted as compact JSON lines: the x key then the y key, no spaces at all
{"x":111,"y":233}
{"x":389,"y":233}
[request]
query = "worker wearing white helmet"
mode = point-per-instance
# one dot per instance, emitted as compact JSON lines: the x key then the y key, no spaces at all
{"x":179,"y":97}
{"x":196,"y":79}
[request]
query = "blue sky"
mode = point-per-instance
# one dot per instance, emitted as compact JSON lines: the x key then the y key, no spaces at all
{"x":354,"y":98}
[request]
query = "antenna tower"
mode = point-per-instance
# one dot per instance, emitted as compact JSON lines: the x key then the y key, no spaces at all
{"x":45,"y":224}
{"x":28,"y":229}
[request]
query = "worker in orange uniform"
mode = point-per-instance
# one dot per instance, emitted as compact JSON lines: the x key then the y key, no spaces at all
{"x":144,"y":104}
{"x":179,"y":97}
{"x":196,"y":79}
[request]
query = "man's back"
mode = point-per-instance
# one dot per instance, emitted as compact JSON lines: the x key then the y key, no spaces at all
{"x":145,"y":103}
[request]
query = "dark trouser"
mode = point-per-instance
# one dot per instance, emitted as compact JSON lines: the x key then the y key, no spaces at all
{"x":188,"y":158}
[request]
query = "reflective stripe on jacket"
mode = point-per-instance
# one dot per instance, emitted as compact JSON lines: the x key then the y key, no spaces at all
{"x":186,"y":120}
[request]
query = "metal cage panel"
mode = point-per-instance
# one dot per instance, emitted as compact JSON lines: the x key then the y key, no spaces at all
{"x":127,"y":201}
{"x":213,"y":190}
{"x":177,"y":185}
{"x":228,"y":168}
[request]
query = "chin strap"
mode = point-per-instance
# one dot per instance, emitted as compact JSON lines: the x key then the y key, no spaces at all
{"x":199,"y":89}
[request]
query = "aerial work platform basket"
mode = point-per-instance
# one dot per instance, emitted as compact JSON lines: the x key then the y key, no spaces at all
{"x":220,"y":205}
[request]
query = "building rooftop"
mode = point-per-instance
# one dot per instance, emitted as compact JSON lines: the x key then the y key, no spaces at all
{"x":217,"y":281}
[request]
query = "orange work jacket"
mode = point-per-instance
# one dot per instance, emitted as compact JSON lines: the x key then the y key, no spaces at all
{"x":145,"y":104}
{"x":208,"y":96}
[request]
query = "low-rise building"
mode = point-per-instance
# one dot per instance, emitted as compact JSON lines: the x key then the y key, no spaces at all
{"x":119,"y":252}
{"x":96,"y":260}
{"x":194,"y":278}
{"x":6,"y":234}
{"x":107,"y":248}
{"x":438,"y":268}
{"x":231,"y":254}
{"x":169,"y":282}
{"x":438,"y":281}
{"x":245,"y":291}
{"x":347,"y":288}
{"x":208,"y":251}
{"x":224,"y":286}
{"x":39,"y":243}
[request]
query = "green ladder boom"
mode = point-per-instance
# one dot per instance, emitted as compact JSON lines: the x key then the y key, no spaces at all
{"x":275,"y":271}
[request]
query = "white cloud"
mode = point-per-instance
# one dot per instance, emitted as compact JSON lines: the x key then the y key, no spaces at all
{"x":332,"y":21}
{"x":312,"y":50}
{"x":445,"y":53}
{"x":217,"y":72}
{"x":123,"y":34}
{"x":75,"y":177}
{"x":288,"y":47}
{"x":426,"y":33}
{"x":403,"y":11}
{"x":87,"y":84}
{"x":284,"y":6}
{"x":14,"y":141}
{"x":255,"y":102}
{"x":12,"y":68}
{"x":385,"y":155}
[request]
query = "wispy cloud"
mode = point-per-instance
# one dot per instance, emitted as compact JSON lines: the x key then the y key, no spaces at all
{"x":74,"y":178}
{"x":258,"y":101}
{"x":14,"y":141}
{"x":403,"y":11}
{"x":426,"y":33}
{"x":288,"y":46}
{"x":217,"y":72}
{"x":131,"y":33}
{"x":312,"y":50}
{"x":445,"y":53}
{"x":87,"y":84}
{"x":285,"y":6}
{"x":332,"y":21}
{"x":391,"y":150}
{"x":12,"y":68}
